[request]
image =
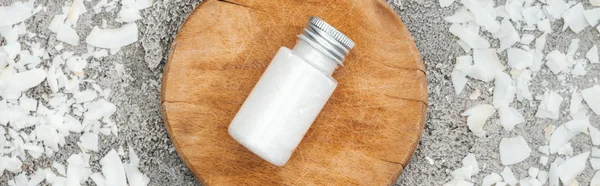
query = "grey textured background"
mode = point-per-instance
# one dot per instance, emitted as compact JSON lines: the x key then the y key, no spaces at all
{"x":446,"y":139}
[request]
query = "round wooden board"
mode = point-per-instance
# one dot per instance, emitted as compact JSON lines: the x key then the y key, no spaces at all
{"x":366,"y":133}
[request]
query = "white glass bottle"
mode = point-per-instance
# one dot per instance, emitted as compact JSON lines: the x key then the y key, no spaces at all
{"x":291,"y":93}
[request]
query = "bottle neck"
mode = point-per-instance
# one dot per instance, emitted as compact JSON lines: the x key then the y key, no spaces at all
{"x":315,"y":57}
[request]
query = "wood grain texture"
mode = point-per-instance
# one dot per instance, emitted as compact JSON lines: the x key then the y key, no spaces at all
{"x":365,"y":134}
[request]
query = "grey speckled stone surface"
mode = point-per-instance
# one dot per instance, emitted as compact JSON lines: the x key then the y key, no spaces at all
{"x":446,"y":139}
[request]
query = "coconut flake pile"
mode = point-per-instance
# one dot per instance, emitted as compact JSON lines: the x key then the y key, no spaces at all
{"x":38,"y":125}
{"x":520,"y":29}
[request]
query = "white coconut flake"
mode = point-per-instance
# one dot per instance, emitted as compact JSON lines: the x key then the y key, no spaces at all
{"x":572,"y":167}
{"x":472,"y":39}
{"x":527,"y":39}
{"x":590,"y":95}
{"x":566,"y":149}
{"x":508,"y":176}
{"x":16,"y":13}
{"x":475,"y":94}
{"x":544,"y":26}
{"x":559,"y":137}
{"x":592,"y":16}
{"x":575,"y":106}
{"x":592,"y":55}
{"x":77,"y":170}
{"x":113,"y":38}
{"x":550,"y":106}
{"x":113,"y":170}
{"x":504,"y":90}
{"x":513,"y":150}
{"x":523,"y":86}
{"x":579,"y":70}
{"x":573,"y":47}
{"x":510,"y":117}
{"x":575,"y":19}
{"x":462,"y":15}
{"x":459,"y":78}
{"x":486,"y":65}
{"x":89,"y":141}
{"x":594,"y":135}
{"x":507,"y":34}
{"x":596,"y":179}
{"x":22,"y":81}
{"x":67,"y":34}
{"x":519,"y":59}
{"x":98,"y":178}
{"x":477,"y":116}
{"x":542,"y":177}
{"x":59,"y":168}
{"x":543,"y":160}
{"x":491,"y":179}
{"x":483,"y":17}
{"x":557,"y":62}
{"x":99,"y":109}
{"x":595,"y":162}
{"x":530,"y":15}
{"x":446,"y":3}
{"x":85,"y":96}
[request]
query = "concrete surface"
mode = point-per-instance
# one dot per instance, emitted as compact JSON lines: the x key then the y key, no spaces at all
{"x":446,"y":139}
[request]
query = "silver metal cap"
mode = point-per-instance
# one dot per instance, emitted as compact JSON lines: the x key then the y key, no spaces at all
{"x":327,"y":39}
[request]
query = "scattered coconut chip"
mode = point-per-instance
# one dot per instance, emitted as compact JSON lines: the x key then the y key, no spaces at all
{"x":477,"y":116}
{"x":504,"y":90}
{"x":575,"y":19}
{"x":590,"y":95}
{"x":446,"y":3}
{"x":557,"y":62}
{"x":491,"y":179}
{"x":475,"y":94}
{"x":508,"y":176}
{"x":568,"y":170}
{"x":527,"y":38}
{"x":543,"y":160}
{"x":483,"y":17}
{"x":507,"y":34}
{"x":98,"y":178}
{"x":113,"y":38}
{"x":559,"y":137}
{"x":596,"y":179}
{"x":513,"y":150}
{"x":473,"y":40}
{"x":523,"y":86}
{"x":544,"y":26}
{"x":595,"y":163}
{"x":99,"y":109}
{"x":575,"y":106}
{"x":553,"y":175}
{"x":592,"y":55}
{"x":85,"y":96}
{"x":592,"y":16}
{"x":550,"y":106}
{"x":566,"y":149}
{"x":573,"y":46}
{"x":595,"y":152}
{"x":16,"y":13}
{"x":68,"y":35}
{"x":519,"y":59}
{"x":510,"y":117}
{"x":459,"y":78}
{"x":89,"y":141}
{"x":486,"y":65}
{"x":462,"y":15}
{"x":594,"y":135}
{"x":542,"y":177}
{"x":59,"y":168}
{"x":112,"y":169}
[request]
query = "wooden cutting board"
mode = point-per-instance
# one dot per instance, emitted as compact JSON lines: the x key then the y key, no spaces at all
{"x":366,"y":133}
